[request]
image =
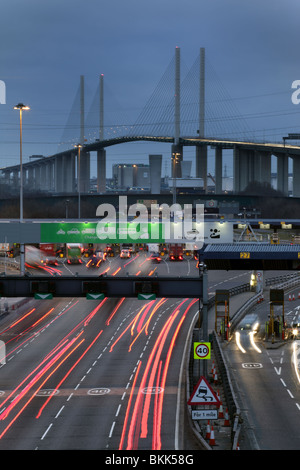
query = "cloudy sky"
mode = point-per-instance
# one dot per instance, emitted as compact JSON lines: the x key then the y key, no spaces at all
{"x":45,"y":46}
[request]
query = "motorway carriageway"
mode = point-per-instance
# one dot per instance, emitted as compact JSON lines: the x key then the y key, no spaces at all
{"x":137,"y":264}
{"x":266,"y":379}
{"x":93,"y":375}
{"x":86,"y":374}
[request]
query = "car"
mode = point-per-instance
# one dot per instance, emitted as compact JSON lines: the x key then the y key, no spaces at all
{"x":155,"y":257}
{"x":295,"y":331}
{"x":125,"y":254}
{"x":250,"y":322}
{"x":95,"y":260}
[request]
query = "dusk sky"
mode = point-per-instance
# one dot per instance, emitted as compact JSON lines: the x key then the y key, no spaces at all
{"x":252,"y":46}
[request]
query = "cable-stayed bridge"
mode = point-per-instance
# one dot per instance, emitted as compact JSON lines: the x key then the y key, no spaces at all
{"x":194,"y":111}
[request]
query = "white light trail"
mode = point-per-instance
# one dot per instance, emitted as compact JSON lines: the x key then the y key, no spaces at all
{"x":237,"y":338}
{"x":251,"y":334}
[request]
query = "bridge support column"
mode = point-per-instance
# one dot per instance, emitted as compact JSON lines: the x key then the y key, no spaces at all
{"x":30,"y":179}
{"x":6,"y":175}
{"x":283,"y":173}
{"x":177,"y":156}
{"x":68,"y":173}
{"x":101,"y":171}
{"x":218,"y":170}
{"x":49,"y":177}
{"x":250,"y":166}
{"x":58,"y":174}
{"x":84,"y":172}
{"x":296,"y":176}
{"x":240,"y":169}
{"x":201,"y":164}
{"x":15,"y":178}
{"x":262,"y":167}
{"x":236,"y":170}
{"x":37,"y":176}
{"x":50,"y":174}
{"x":43,"y":178}
{"x":155,"y":162}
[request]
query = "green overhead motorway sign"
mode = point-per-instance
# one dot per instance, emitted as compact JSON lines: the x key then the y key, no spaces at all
{"x":43,"y":296}
{"x":98,"y":296}
{"x":92,"y":232}
{"x":146,"y":296}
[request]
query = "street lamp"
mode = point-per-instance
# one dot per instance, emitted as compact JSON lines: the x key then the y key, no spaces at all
{"x":79,"y":146}
{"x":21,"y":107}
{"x":175,"y":161}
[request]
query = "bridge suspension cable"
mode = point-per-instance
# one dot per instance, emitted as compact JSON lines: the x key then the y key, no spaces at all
{"x":222,"y":118}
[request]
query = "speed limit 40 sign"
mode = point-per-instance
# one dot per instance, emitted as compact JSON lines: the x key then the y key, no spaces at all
{"x":202,"y":350}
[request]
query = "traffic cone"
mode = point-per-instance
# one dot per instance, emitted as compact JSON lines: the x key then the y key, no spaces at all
{"x":226,"y":421}
{"x":213,"y":368}
{"x":293,"y":296}
{"x":238,"y":446}
{"x":207,"y":430}
{"x":290,"y":297}
{"x":212,"y":441}
{"x":221,"y":414}
{"x":216,"y":379}
{"x":298,"y":295}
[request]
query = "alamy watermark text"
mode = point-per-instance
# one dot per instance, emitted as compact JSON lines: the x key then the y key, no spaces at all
{"x":2,"y":92}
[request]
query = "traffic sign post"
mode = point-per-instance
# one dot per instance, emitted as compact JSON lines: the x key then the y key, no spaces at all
{"x":203,"y":332}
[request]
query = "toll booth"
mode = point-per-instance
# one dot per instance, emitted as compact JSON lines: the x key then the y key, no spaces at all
{"x":275,"y":324}
{"x":222,"y":313}
{"x":275,"y":240}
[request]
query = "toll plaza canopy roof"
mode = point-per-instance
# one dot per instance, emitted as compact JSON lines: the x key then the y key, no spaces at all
{"x":251,"y":256}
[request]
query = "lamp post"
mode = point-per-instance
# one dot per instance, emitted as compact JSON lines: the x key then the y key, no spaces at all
{"x":175,"y":161}
{"x":79,"y":146}
{"x":21,"y":107}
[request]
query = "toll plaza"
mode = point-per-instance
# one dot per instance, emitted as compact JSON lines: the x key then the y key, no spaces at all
{"x":253,"y":256}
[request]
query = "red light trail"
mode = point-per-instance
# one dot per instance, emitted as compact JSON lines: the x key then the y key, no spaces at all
{"x":144,"y":409}
{"x":46,"y":368}
{"x":153,"y":378}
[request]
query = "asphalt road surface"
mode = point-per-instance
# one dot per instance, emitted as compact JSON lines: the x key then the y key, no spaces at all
{"x":85,"y":374}
{"x":93,"y":375}
{"x":266,"y":377}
